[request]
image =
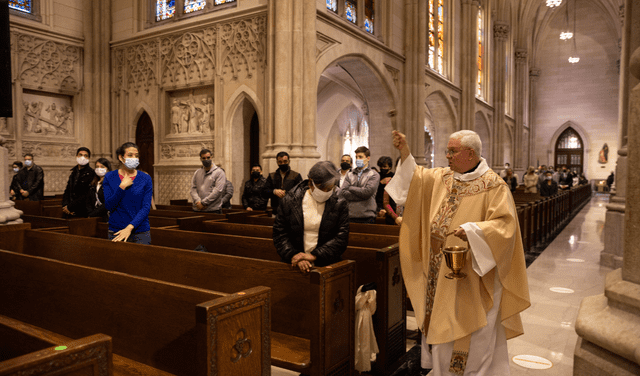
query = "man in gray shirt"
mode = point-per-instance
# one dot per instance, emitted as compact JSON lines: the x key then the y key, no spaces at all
{"x":359,"y":189}
{"x":208,"y":185}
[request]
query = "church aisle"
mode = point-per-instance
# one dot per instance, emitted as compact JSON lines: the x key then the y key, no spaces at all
{"x":570,"y":262}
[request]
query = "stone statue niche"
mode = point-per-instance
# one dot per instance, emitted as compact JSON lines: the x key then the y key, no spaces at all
{"x":191,"y":115}
{"x":47,"y":115}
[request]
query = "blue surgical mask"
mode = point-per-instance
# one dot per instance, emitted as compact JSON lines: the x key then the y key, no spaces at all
{"x":27,"y":162}
{"x":131,"y":163}
{"x":359,"y":163}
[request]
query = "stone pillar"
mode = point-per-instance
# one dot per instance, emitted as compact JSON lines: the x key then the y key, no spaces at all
{"x":8,"y":214}
{"x":520,"y":97}
{"x":500,"y":40}
{"x":608,"y":325}
{"x":468,"y":63}
{"x":414,"y":78}
{"x":294,"y":87}
{"x":534,"y":74}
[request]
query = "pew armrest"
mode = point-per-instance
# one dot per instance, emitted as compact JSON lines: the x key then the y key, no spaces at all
{"x":290,"y":352}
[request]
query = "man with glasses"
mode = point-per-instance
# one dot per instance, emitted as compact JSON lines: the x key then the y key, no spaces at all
{"x":465,"y":322}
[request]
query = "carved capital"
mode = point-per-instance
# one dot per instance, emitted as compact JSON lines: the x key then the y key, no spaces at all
{"x":534,"y":73}
{"x":501,"y":31}
{"x":521,"y":56}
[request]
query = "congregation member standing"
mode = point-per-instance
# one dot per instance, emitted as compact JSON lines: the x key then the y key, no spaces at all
{"x":530,"y":181}
{"x":359,"y":189}
{"x":252,"y":194}
{"x":78,"y":186}
{"x":17,"y":166}
{"x":95,"y":198}
{"x":312,"y":224}
{"x":384,"y":163}
{"x":512,"y":181}
{"x":345,"y":167}
{"x":127,"y":196}
{"x":280,"y":181}
{"x":29,"y":181}
{"x":228,"y":192}
{"x":208,"y":185}
{"x":566,"y":179}
{"x":549,"y":187}
{"x":465,"y":322}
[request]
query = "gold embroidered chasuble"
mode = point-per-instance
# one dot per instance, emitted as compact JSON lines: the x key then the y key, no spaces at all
{"x":447,"y":310}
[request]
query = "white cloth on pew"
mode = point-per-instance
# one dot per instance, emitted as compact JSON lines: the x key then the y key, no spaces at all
{"x":366,"y":344}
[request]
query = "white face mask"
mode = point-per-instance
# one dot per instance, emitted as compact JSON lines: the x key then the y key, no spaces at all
{"x":28,"y":162}
{"x":131,"y":163}
{"x":82,"y":161}
{"x":16,"y":169}
{"x":320,"y":196}
{"x":101,"y":171}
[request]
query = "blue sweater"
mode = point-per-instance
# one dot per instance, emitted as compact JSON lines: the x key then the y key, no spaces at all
{"x":129,"y":206}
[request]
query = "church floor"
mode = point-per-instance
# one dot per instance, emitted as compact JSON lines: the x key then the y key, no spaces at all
{"x":571,"y":262}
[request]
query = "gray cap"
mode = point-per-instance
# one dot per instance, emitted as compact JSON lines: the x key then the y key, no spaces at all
{"x":324,"y":174}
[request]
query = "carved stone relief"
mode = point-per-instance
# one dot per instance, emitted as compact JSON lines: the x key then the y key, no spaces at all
{"x":173,"y":185}
{"x":45,"y":64}
{"x":191,"y":115}
{"x":140,"y":63}
{"x":501,"y":31}
{"x":184,"y":150}
{"x":4,"y":127}
{"x":243,"y":46}
{"x":50,"y":150}
{"x":189,"y":58}
{"x":55,"y":179}
{"x":47,"y":115}
{"x":11,"y":149}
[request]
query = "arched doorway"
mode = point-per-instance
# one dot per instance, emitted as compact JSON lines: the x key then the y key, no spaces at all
{"x":144,"y":140}
{"x":569,"y":151}
{"x":244,"y":143}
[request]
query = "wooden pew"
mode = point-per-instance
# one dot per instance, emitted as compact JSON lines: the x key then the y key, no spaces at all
{"x":29,"y":207}
{"x":28,"y":350}
{"x":313,"y":313}
{"x":76,"y":226}
{"x":173,"y":328}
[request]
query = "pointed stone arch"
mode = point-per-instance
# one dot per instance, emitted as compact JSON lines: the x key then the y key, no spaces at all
{"x":586,"y":140}
{"x":444,"y":123}
{"x":483,"y":130}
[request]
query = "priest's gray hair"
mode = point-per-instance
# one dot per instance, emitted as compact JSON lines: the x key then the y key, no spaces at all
{"x":469,"y":139}
{"x":324,"y":174}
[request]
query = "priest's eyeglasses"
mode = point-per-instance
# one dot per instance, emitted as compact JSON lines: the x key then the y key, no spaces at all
{"x":454,"y":152}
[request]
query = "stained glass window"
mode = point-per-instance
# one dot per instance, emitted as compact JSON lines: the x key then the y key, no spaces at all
{"x":332,"y":5}
{"x":369,"y":15}
{"x":350,"y":10}
{"x":435,"y":49}
{"x":165,"y":9}
{"x":194,"y":5}
{"x":220,"y":2}
{"x":480,"y":53}
{"x":357,"y":133}
{"x":22,"y":5}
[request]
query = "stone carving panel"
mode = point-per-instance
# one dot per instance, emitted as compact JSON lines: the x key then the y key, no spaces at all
{"x":11,"y":150}
{"x":174,"y":185}
{"x":55,"y":179}
{"x":243,"y":46}
{"x":140,"y":65}
{"x":4,"y":125}
{"x":189,"y":58}
{"x":46,"y":64}
{"x":190,"y":150}
{"x":50,"y":150}
{"x":47,"y":115}
{"x":191,"y":115}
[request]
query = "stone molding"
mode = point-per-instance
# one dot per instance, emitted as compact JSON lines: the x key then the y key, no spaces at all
{"x":323,"y":43}
{"x":521,"y":56}
{"x":501,"y":31}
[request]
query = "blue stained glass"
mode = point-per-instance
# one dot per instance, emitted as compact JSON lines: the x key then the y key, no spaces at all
{"x":194,"y":5}
{"x":22,"y":5}
{"x":165,"y":9}
{"x":351,"y":11}
{"x":368,"y":25}
{"x":332,"y":5}
{"x":220,"y":2}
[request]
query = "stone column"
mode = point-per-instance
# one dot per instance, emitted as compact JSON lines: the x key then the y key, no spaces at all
{"x":8,"y":214}
{"x":414,"y":78}
{"x":520,"y":97}
{"x":608,"y":325}
{"x":468,"y":63}
{"x":534,"y":74}
{"x":293,"y":92}
{"x":500,"y":40}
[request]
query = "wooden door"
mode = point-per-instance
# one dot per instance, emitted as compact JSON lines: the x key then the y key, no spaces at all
{"x":570,"y":151}
{"x":144,"y":140}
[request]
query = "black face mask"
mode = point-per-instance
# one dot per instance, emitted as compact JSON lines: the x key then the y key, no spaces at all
{"x":255,"y":174}
{"x":384,"y":171}
{"x":345,"y":165}
{"x":207,"y":163}
{"x":284,"y":168}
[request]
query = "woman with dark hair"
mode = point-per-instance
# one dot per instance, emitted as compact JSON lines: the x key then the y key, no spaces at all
{"x":312,"y":224}
{"x":127,"y":195}
{"x":17,"y":166}
{"x":95,"y":197}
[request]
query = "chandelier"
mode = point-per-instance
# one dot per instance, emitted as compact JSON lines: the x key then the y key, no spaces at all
{"x":566,"y":34}
{"x":553,"y":3}
{"x":573,"y":58}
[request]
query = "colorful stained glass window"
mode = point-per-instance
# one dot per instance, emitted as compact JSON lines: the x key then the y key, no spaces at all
{"x":22,"y":5}
{"x":435,"y":49}
{"x":220,"y":2}
{"x":480,"y":52}
{"x":350,"y":10}
{"x":432,"y":37}
{"x":194,"y":5}
{"x":165,"y":9}
{"x":440,"y":36}
{"x":369,"y":15}
{"x":332,"y":5}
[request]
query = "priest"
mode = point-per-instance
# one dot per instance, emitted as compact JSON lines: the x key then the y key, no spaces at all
{"x":465,"y":322}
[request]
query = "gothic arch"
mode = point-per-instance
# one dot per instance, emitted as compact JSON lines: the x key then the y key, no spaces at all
{"x":483,"y":129}
{"x":141,"y":108}
{"x":444,"y":123}
{"x":583,"y":134}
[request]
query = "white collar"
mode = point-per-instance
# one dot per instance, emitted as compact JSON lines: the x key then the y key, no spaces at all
{"x":482,"y":168}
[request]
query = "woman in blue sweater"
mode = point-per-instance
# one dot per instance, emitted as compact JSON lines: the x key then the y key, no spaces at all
{"x":127,"y":194}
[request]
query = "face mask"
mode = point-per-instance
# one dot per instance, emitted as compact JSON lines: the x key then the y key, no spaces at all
{"x":255,"y":174}
{"x":284,"y":167}
{"x":319,"y":195}
{"x":359,"y":163}
{"x":28,"y":162}
{"x":82,"y":161}
{"x":16,"y":169}
{"x":384,"y":171}
{"x":506,"y":166}
{"x":101,"y":171}
{"x":131,"y":163}
{"x":207,"y":163}
{"x":548,"y":177}
{"x":345,"y":165}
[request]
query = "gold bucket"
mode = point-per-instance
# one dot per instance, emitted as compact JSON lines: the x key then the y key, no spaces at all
{"x":455,"y":258}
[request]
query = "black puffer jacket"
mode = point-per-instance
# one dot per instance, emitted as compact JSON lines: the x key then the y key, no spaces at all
{"x":288,"y":229}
